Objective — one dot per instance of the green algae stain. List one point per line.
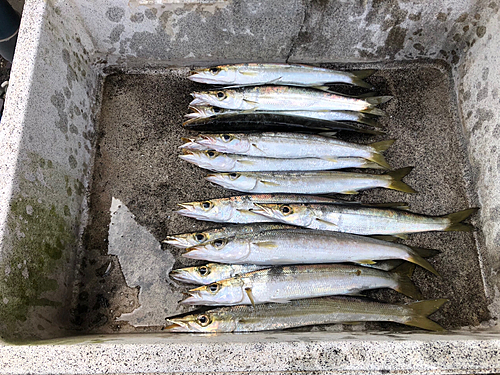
(43, 236)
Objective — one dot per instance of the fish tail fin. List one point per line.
(415, 258)
(424, 252)
(368, 120)
(360, 75)
(378, 148)
(420, 312)
(374, 111)
(376, 100)
(405, 286)
(396, 183)
(456, 218)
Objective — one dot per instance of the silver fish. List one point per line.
(301, 313)
(283, 247)
(204, 112)
(362, 220)
(186, 240)
(293, 145)
(278, 98)
(216, 161)
(283, 74)
(212, 272)
(323, 182)
(237, 210)
(282, 284)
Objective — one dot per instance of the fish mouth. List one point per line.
(175, 326)
(193, 299)
(195, 252)
(179, 275)
(177, 242)
(200, 99)
(188, 156)
(195, 215)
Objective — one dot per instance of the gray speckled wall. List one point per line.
(66, 47)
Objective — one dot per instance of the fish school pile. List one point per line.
(291, 257)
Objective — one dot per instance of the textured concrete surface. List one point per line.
(478, 94)
(283, 353)
(46, 136)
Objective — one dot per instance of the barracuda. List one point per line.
(306, 313)
(278, 98)
(283, 247)
(323, 182)
(362, 220)
(283, 74)
(216, 161)
(282, 284)
(293, 145)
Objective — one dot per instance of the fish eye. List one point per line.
(217, 109)
(221, 95)
(286, 210)
(203, 270)
(226, 137)
(213, 288)
(214, 70)
(203, 320)
(206, 205)
(211, 154)
(233, 176)
(219, 243)
(199, 237)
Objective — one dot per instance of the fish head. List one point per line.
(186, 240)
(216, 75)
(220, 250)
(219, 210)
(207, 322)
(224, 292)
(230, 143)
(201, 275)
(224, 98)
(294, 214)
(209, 159)
(234, 181)
(191, 144)
(205, 112)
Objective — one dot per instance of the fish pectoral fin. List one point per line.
(250, 101)
(249, 72)
(367, 261)
(248, 291)
(266, 244)
(327, 222)
(254, 145)
(268, 183)
(247, 162)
